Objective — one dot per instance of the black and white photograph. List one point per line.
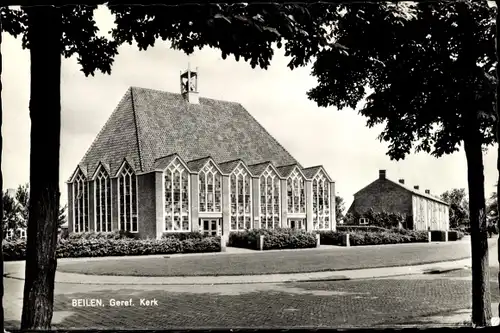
(250, 165)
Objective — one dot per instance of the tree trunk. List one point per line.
(481, 303)
(497, 39)
(44, 33)
(1, 196)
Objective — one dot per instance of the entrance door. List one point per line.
(296, 223)
(211, 226)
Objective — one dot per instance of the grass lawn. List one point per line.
(299, 261)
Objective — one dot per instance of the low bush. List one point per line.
(350, 228)
(101, 247)
(274, 239)
(184, 235)
(117, 234)
(454, 235)
(373, 238)
(438, 235)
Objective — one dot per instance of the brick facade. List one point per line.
(382, 195)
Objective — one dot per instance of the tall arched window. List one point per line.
(240, 184)
(210, 189)
(177, 197)
(81, 203)
(127, 197)
(270, 205)
(296, 197)
(102, 201)
(321, 202)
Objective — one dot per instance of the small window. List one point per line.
(363, 220)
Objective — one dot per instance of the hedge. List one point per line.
(185, 235)
(274, 239)
(373, 238)
(102, 247)
(454, 235)
(350, 228)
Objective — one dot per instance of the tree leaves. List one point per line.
(414, 63)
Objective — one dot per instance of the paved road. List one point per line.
(357, 303)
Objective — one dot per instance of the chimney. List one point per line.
(402, 181)
(427, 191)
(189, 85)
(416, 187)
(381, 174)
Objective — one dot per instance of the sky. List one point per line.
(276, 97)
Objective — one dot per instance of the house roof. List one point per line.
(412, 190)
(416, 192)
(150, 124)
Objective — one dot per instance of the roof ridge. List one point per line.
(267, 132)
(316, 166)
(139, 146)
(96, 139)
(198, 159)
(425, 195)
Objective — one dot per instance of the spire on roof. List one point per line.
(189, 85)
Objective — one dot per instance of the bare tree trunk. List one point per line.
(481, 302)
(497, 44)
(44, 34)
(1, 187)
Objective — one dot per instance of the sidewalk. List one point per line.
(358, 274)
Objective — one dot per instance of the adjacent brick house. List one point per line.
(167, 162)
(423, 210)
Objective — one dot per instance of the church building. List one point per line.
(177, 162)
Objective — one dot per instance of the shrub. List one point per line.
(102, 246)
(331, 237)
(280, 238)
(117, 234)
(184, 235)
(373, 238)
(454, 235)
(355, 228)
(438, 235)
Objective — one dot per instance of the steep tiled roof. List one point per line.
(286, 170)
(425, 195)
(228, 167)
(310, 172)
(196, 165)
(258, 169)
(148, 124)
(162, 162)
(416, 192)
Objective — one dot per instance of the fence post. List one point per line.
(223, 244)
(318, 242)
(260, 243)
(345, 240)
(429, 236)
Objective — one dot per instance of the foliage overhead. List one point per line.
(247, 31)
(426, 71)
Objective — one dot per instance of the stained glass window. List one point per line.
(102, 201)
(240, 185)
(296, 196)
(269, 199)
(210, 189)
(127, 196)
(177, 197)
(81, 203)
(321, 202)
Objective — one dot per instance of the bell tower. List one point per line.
(189, 85)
